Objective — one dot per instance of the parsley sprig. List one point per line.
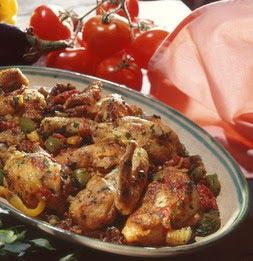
(20, 243)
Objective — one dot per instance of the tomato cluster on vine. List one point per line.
(112, 44)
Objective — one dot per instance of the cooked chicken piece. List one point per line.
(156, 138)
(167, 204)
(34, 103)
(34, 176)
(12, 79)
(131, 179)
(84, 103)
(113, 107)
(93, 207)
(67, 126)
(121, 189)
(25, 102)
(102, 156)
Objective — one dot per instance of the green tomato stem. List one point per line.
(80, 22)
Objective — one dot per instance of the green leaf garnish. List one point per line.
(42, 242)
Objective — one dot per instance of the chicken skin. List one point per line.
(93, 207)
(68, 126)
(131, 179)
(113, 107)
(160, 142)
(168, 203)
(12, 79)
(16, 97)
(24, 102)
(118, 192)
(34, 176)
(102, 156)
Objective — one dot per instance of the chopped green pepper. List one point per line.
(27, 125)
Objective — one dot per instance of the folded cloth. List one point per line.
(204, 69)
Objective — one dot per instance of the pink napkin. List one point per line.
(205, 70)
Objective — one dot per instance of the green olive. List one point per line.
(82, 176)
(1, 177)
(27, 125)
(53, 144)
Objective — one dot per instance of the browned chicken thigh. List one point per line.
(160, 142)
(168, 203)
(25, 102)
(119, 192)
(113, 107)
(93, 207)
(102, 156)
(68, 126)
(12, 79)
(36, 175)
(131, 179)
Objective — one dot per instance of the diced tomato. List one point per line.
(207, 198)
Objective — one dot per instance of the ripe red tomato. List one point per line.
(73, 59)
(121, 71)
(106, 38)
(145, 45)
(47, 24)
(131, 5)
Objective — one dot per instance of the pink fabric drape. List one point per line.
(205, 70)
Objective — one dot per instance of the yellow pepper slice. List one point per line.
(8, 11)
(74, 140)
(16, 202)
(33, 136)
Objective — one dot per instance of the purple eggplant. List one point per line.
(18, 47)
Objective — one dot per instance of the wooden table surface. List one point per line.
(236, 246)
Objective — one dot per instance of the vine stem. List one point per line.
(80, 19)
(93, 9)
(121, 6)
(125, 10)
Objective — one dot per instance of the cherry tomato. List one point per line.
(120, 70)
(106, 38)
(76, 59)
(145, 45)
(47, 24)
(131, 5)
